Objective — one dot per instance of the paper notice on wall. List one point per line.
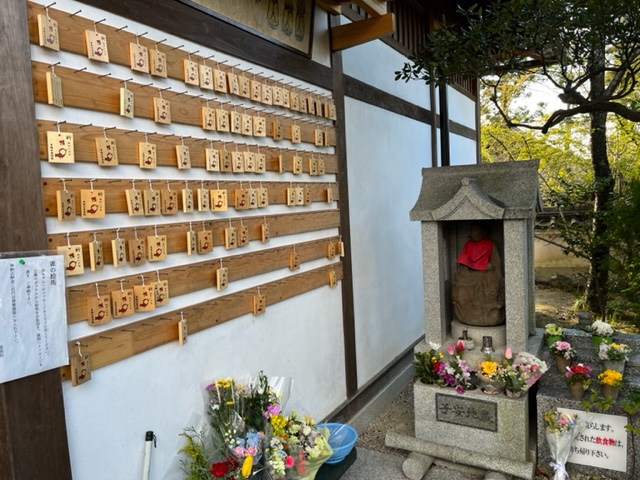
(33, 316)
(603, 443)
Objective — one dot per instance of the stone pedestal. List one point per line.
(495, 425)
(499, 200)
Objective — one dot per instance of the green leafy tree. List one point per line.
(588, 50)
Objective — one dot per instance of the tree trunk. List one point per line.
(597, 284)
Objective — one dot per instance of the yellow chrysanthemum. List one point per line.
(488, 367)
(610, 377)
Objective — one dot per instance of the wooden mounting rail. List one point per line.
(199, 275)
(71, 38)
(127, 144)
(115, 197)
(121, 342)
(91, 91)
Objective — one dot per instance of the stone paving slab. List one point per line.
(372, 465)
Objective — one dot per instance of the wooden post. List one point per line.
(33, 440)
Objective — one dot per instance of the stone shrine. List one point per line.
(477, 237)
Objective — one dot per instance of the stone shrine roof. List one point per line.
(488, 191)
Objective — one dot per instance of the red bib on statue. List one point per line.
(476, 255)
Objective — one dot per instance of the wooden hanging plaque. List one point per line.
(60, 147)
(92, 203)
(107, 151)
(66, 205)
(80, 368)
(137, 253)
(147, 155)
(122, 303)
(96, 255)
(73, 259)
(99, 309)
(48, 36)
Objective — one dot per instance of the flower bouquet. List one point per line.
(601, 329)
(561, 429)
(553, 332)
(563, 353)
(492, 376)
(456, 372)
(237, 426)
(562, 349)
(614, 355)
(521, 372)
(615, 352)
(579, 378)
(247, 435)
(601, 332)
(612, 382)
(427, 364)
(308, 447)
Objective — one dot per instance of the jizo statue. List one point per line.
(478, 287)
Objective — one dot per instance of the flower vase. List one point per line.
(597, 340)
(492, 387)
(617, 366)
(562, 363)
(576, 390)
(609, 391)
(513, 393)
(551, 339)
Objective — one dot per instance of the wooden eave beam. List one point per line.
(363, 31)
(375, 8)
(331, 6)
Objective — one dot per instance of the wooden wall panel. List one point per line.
(33, 440)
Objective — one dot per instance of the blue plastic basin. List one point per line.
(342, 438)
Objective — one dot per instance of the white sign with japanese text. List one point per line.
(33, 316)
(603, 443)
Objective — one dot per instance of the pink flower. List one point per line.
(508, 353)
(460, 346)
(451, 349)
(288, 462)
(273, 409)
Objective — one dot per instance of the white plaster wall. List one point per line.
(376, 63)
(463, 150)
(461, 108)
(159, 390)
(385, 155)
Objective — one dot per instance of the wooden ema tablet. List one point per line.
(147, 155)
(98, 309)
(73, 259)
(106, 151)
(92, 203)
(96, 255)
